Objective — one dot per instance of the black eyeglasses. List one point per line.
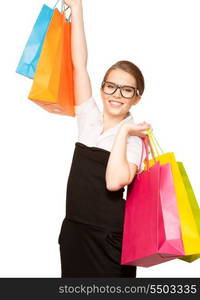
(125, 90)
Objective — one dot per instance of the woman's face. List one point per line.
(123, 104)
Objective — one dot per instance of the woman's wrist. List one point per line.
(125, 128)
(77, 10)
(123, 132)
(76, 6)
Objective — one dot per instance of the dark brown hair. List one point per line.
(130, 68)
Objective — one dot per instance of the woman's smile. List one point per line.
(115, 103)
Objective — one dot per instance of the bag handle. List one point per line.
(57, 4)
(145, 144)
(151, 149)
(63, 9)
(140, 165)
(148, 143)
(154, 142)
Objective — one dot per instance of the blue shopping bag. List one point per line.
(30, 56)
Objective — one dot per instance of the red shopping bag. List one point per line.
(152, 232)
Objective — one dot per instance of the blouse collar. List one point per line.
(129, 118)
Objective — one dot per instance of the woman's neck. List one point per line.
(110, 121)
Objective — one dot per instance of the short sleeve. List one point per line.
(87, 112)
(134, 150)
(85, 107)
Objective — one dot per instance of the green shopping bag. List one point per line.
(193, 204)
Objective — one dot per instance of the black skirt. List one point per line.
(90, 238)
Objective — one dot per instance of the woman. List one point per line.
(105, 160)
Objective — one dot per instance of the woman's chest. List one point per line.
(95, 138)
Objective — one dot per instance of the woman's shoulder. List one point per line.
(90, 103)
(84, 105)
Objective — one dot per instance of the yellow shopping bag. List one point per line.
(189, 225)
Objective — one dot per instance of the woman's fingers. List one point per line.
(144, 123)
(72, 2)
(69, 2)
(141, 129)
(144, 126)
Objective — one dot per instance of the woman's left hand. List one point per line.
(138, 129)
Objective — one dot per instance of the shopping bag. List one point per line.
(52, 86)
(31, 53)
(151, 232)
(187, 212)
(194, 206)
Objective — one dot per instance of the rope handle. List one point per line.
(146, 143)
(64, 9)
(57, 4)
(154, 142)
(140, 165)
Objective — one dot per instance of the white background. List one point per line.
(162, 38)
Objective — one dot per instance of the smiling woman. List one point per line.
(106, 157)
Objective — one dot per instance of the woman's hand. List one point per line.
(137, 129)
(73, 3)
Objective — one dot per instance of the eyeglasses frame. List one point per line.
(118, 86)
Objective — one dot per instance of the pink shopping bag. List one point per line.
(152, 232)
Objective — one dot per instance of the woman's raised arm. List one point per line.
(82, 84)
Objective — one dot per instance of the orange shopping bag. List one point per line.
(52, 86)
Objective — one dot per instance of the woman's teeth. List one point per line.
(115, 103)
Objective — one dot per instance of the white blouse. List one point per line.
(90, 126)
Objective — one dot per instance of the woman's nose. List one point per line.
(117, 92)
